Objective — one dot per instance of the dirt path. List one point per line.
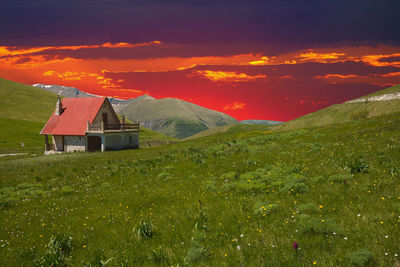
(15, 154)
(384, 97)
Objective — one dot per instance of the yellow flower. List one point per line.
(381, 222)
(84, 246)
(314, 262)
(322, 221)
(320, 206)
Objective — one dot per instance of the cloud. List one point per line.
(229, 76)
(382, 60)
(235, 106)
(340, 76)
(320, 57)
(101, 79)
(381, 79)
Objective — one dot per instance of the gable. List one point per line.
(76, 113)
(107, 108)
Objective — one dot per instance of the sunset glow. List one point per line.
(248, 70)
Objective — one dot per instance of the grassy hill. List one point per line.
(345, 112)
(232, 128)
(173, 117)
(242, 197)
(24, 110)
(24, 102)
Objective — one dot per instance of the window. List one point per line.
(130, 139)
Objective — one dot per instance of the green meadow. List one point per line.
(251, 196)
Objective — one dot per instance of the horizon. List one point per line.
(269, 60)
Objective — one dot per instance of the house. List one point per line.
(88, 124)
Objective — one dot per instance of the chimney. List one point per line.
(59, 108)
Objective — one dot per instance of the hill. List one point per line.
(364, 107)
(239, 198)
(24, 102)
(173, 117)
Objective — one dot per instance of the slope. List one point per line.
(24, 102)
(173, 117)
(348, 111)
(333, 190)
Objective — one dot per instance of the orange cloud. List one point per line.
(391, 74)
(285, 77)
(386, 79)
(320, 57)
(235, 106)
(106, 83)
(228, 76)
(262, 61)
(328, 76)
(371, 55)
(375, 60)
(12, 51)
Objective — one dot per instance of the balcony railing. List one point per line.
(103, 127)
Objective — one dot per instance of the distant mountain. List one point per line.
(379, 103)
(63, 90)
(170, 116)
(260, 122)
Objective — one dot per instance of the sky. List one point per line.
(253, 59)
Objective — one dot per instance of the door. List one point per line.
(94, 143)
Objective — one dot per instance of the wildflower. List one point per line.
(381, 222)
(295, 246)
(396, 255)
(358, 215)
(345, 238)
(242, 235)
(322, 221)
(238, 247)
(383, 198)
(84, 246)
(320, 206)
(314, 262)
(226, 255)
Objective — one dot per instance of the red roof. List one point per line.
(73, 120)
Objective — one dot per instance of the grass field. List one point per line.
(242, 197)
(24, 102)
